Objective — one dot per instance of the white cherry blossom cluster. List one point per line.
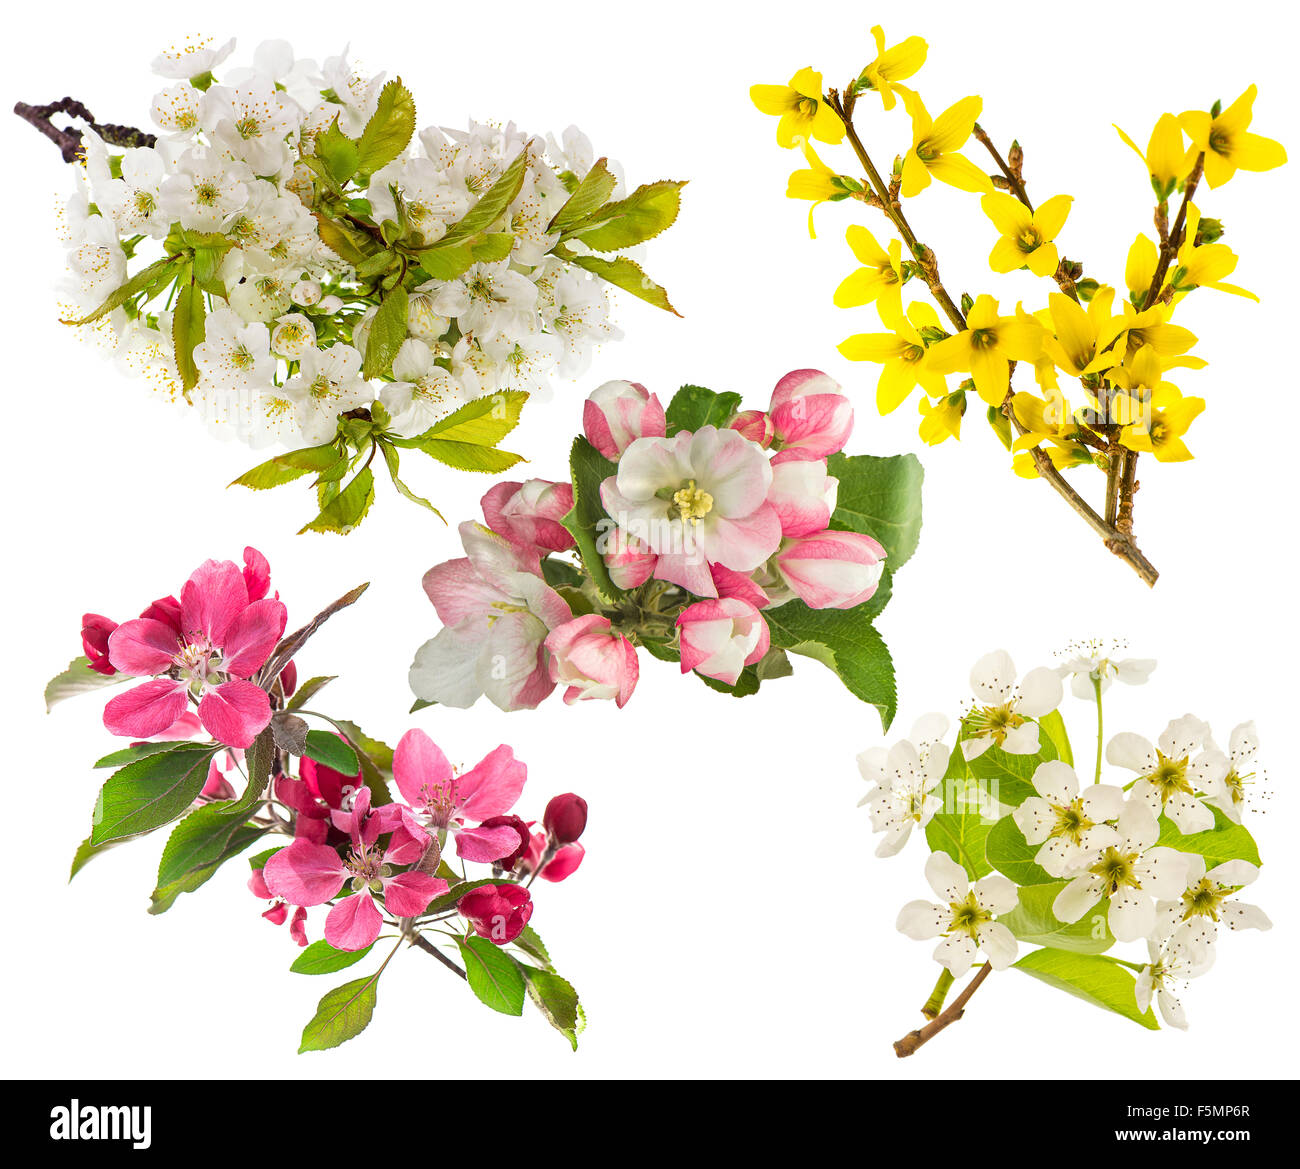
(285, 332)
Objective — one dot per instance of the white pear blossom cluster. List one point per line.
(285, 331)
(1125, 852)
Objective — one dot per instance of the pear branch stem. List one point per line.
(914, 1039)
(68, 139)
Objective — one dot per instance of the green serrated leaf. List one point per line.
(392, 460)
(530, 943)
(881, 498)
(694, 406)
(963, 836)
(469, 456)
(482, 422)
(342, 1014)
(387, 332)
(588, 521)
(490, 207)
(149, 793)
(1008, 778)
(159, 270)
(140, 751)
(627, 275)
(647, 211)
(557, 1000)
(493, 976)
(1053, 726)
(308, 690)
(1091, 977)
(389, 130)
(1226, 841)
(327, 749)
(322, 958)
(348, 508)
(79, 678)
(189, 317)
(287, 467)
(588, 197)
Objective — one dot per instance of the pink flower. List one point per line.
(831, 570)
(629, 562)
(95, 632)
(737, 584)
(810, 416)
(755, 425)
(529, 514)
(306, 873)
(592, 660)
(497, 912)
(696, 499)
(315, 796)
(278, 912)
(563, 862)
(617, 413)
(443, 800)
(521, 829)
(565, 818)
(496, 612)
(720, 638)
(804, 496)
(207, 651)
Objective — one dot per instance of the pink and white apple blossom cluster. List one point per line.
(1025, 849)
(700, 533)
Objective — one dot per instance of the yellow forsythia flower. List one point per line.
(1026, 236)
(1227, 144)
(892, 65)
(901, 353)
(802, 112)
(1136, 328)
(987, 346)
(941, 420)
(1204, 266)
(1140, 268)
(1072, 343)
(935, 143)
(1168, 161)
(1153, 413)
(818, 183)
(880, 278)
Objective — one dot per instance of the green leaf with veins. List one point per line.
(1092, 977)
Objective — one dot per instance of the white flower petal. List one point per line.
(1131, 752)
(956, 952)
(996, 894)
(1055, 781)
(923, 919)
(1132, 915)
(998, 943)
(1040, 692)
(947, 878)
(993, 678)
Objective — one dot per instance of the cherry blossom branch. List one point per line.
(914, 1039)
(68, 139)
(1116, 537)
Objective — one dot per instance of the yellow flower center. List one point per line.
(1116, 870)
(968, 916)
(1203, 900)
(692, 503)
(983, 338)
(1029, 240)
(1071, 823)
(993, 722)
(1170, 775)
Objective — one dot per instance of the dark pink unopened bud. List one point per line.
(510, 859)
(755, 425)
(95, 631)
(497, 912)
(565, 818)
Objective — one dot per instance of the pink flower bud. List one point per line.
(755, 425)
(811, 418)
(629, 561)
(497, 912)
(94, 641)
(529, 514)
(803, 495)
(720, 638)
(831, 570)
(564, 860)
(618, 413)
(565, 818)
(592, 660)
(509, 861)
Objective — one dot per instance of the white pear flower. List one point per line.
(193, 59)
(133, 201)
(576, 308)
(328, 384)
(1170, 963)
(205, 192)
(176, 110)
(1087, 671)
(424, 392)
(1192, 919)
(488, 299)
(905, 776)
(1133, 873)
(252, 122)
(1169, 777)
(1002, 713)
(1071, 828)
(1228, 793)
(965, 920)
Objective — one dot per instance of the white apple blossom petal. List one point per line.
(1103, 801)
(1234, 872)
(1171, 1010)
(1035, 818)
(1183, 736)
(1080, 895)
(1162, 871)
(1238, 915)
(1188, 813)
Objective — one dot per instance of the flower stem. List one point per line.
(69, 140)
(1096, 687)
(934, 1004)
(429, 948)
(914, 1039)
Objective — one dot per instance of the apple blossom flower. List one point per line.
(529, 514)
(218, 641)
(617, 413)
(1169, 964)
(1133, 873)
(966, 918)
(696, 499)
(305, 873)
(1071, 828)
(1169, 777)
(804, 496)
(1003, 714)
(719, 638)
(592, 660)
(811, 418)
(497, 912)
(1086, 672)
(1191, 919)
(1228, 792)
(95, 632)
(906, 776)
(496, 614)
(489, 300)
(629, 562)
(443, 800)
(278, 912)
(252, 122)
(565, 818)
(755, 425)
(549, 861)
(829, 570)
(235, 356)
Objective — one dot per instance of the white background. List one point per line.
(730, 919)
